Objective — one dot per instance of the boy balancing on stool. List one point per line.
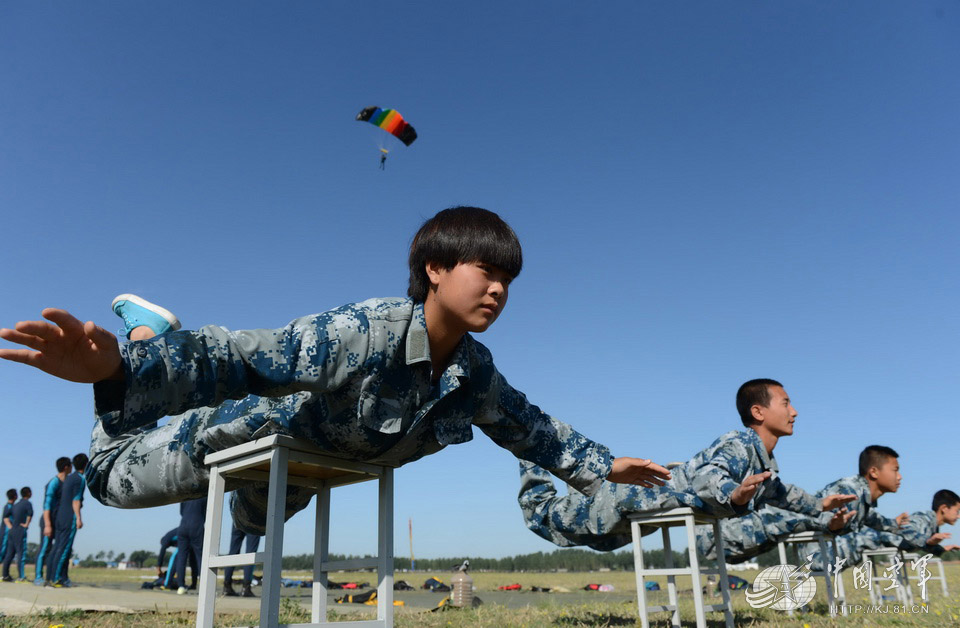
(922, 532)
(386, 381)
(736, 474)
(755, 533)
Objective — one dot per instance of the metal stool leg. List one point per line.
(638, 569)
(321, 547)
(273, 555)
(211, 547)
(782, 551)
(826, 575)
(385, 549)
(671, 580)
(690, 524)
(722, 568)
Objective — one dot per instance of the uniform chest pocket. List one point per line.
(382, 407)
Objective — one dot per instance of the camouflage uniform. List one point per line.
(850, 543)
(754, 534)
(911, 537)
(705, 483)
(356, 381)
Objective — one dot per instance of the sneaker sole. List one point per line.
(153, 307)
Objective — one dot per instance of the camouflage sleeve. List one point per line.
(530, 434)
(790, 497)
(878, 522)
(179, 371)
(719, 476)
(572, 519)
(916, 532)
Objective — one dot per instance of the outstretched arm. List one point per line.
(836, 501)
(640, 471)
(68, 349)
(745, 492)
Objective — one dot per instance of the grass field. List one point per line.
(551, 611)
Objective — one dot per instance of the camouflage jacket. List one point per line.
(355, 380)
(705, 483)
(866, 507)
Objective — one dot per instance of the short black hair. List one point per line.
(461, 235)
(25, 492)
(945, 497)
(62, 463)
(756, 392)
(11, 494)
(875, 456)
(80, 462)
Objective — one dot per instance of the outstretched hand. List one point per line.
(840, 519)
(835, 501)
(745, 492)
(902, 519)
(936, 538)
(639, 471)
(70, 350)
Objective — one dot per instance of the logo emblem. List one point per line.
(782, 588)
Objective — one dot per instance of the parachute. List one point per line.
(390, 121)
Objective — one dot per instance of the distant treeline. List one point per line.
(568, 559)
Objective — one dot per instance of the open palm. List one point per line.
(68, 349)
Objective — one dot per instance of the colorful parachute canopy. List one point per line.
(390, 121)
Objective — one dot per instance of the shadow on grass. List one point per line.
(596, 619)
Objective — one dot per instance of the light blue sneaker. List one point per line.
(136, 311)
(38, 582)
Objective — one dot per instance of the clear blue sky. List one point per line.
(705, 194)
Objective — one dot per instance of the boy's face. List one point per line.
(779, 416)
(950, 514)
(473, 293)
(887, 476)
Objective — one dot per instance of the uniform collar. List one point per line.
(769, 462)
(418, 346)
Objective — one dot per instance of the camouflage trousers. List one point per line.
(600, 521)
(755, 533)
(154, 466)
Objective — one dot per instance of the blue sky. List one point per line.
(705, 194)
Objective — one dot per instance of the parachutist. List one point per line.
(383, 161)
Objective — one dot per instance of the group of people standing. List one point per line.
(59, 521)
(187, 543)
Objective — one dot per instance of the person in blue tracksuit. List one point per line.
(51, 498)
(189, 538)
(167, 541)
(7, 511)
(18, 523)
(68, 521)
(237, 537)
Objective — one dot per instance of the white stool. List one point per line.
(904, 594)
(666, 519)
(933, 561)
(821, 539)
(282, 460)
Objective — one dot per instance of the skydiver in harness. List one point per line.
(383, 158)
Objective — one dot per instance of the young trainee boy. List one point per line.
(68, 520)
(386, 381)
(19, 523)
(7, 511)
(51, 500)
(879, 473)
(736, 474)
(922, 532)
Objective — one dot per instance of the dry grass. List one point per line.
(556, 614)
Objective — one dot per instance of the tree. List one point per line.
(139, 557)
(121, 556)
